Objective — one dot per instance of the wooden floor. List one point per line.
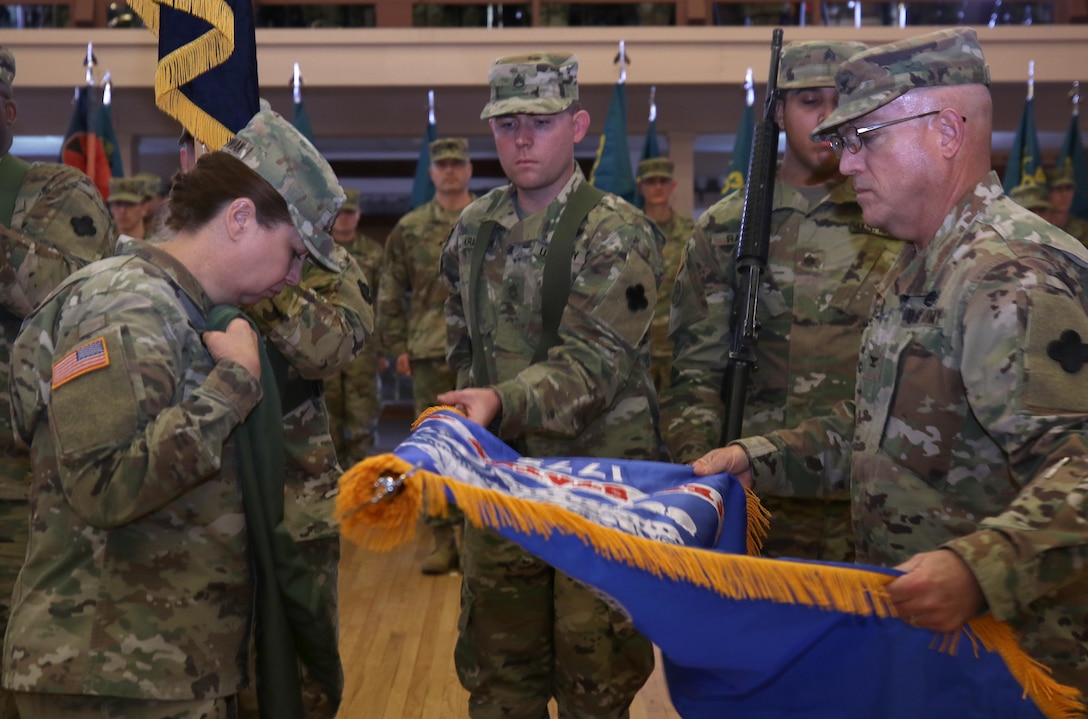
(397, 631)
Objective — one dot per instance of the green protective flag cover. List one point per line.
(737, 174)
(612, 169)
(1072, 155)
(1025, 159)
(422, 187)
(301, 121)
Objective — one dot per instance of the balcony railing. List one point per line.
(538, 13)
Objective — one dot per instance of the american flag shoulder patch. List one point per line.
(83, 359)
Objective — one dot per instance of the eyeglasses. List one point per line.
(852, 139)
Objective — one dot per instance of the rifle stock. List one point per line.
(751, 254)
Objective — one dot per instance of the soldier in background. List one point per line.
(1061, 190)
(352, 394)
(411, 305)
(657, 185)
(1032, 196)
(527, 631)
(824, 264)
(52, 222)
(966, 442)
(138, 591)
(127, 204)
(155, 191)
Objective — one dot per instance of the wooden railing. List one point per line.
(398, 13)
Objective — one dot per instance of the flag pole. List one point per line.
(296, 85)
(430, 108)
(88, 145)
(749, 89)
(1074, 98)
(653, 104)
(1031, 80)
(623, 62)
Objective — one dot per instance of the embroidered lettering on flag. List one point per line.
(80, 361)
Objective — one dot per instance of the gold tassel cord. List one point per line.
(188, 62)
(385, 524)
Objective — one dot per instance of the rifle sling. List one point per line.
(555, 289)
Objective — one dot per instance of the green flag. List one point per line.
(1025, 160)
(422, 186)
(612, 169)
(737, 174)
(650, 148)
(1072, 155)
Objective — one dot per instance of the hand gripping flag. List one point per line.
(207, 73)
(740, 635)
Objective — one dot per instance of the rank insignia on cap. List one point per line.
(83, 359)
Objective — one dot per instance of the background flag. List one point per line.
(82, 147)
(650, 147)
(612, 169)
(301, 120)
(1072, 155)
(737, 174)
(1025, 159)
(103, 127)
(207, 73)
(742, 636)
(422, 186)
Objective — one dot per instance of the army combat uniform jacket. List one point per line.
(318, 326)
(814, 299)
(136, 581)
(968, 430)
(59, 223)
(677, 232)
(592, 396)
(410, 266)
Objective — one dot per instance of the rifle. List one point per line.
(752, 248)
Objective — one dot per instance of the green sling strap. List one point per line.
(12, 172)
(555, 289)
(291, 609)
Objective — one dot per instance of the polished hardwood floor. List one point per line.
(397, 632)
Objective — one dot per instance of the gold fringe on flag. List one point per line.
(184, 64)
(385, 523)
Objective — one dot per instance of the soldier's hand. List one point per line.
(404, 364)
(732, 459)
(383, 364)
(480, 404)
(238, 344)
(938, 591)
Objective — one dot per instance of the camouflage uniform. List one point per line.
(59, 223)
(677, 231)
(814, 299)
(318, 327)
(139, 574)
(137, 584)
(528, 632)
(411, 302)
(968, 431)
(352, 395)
(411, 298)
(1062, 177)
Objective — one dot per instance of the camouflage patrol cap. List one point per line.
(127, 189)
(873, 78)
(275, 150)
(655, 167)
(1060, 176)
(449, 148)
(813, 63)
(1031, 195)
(351, 201)
(153, 185)
(7, 66)
(540, 83)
